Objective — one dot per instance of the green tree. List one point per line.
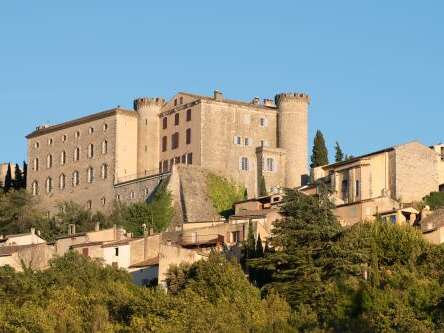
(18, 181)
(339, 155)
(434, 200)
(262, 186)
(320, 153)
(8, 179)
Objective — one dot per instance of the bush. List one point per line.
(224, 193)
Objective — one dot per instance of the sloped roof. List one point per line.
(82, 120)
(145, 263)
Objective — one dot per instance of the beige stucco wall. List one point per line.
(25, 239)
(435, 237)
(173, 255)
(416, 172)
(35, 257)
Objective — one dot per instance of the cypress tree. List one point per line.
(8, 179)
(320, 152)
(25, 174)
(259, 247)
(339, 155)
(262, 187)
(17, 183)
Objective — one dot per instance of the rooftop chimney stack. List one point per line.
(218, 96)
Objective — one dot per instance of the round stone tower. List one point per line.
(148, 148)
(293, 134)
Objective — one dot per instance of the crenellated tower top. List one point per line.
(294, 97)
(148, 101)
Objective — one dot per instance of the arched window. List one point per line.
(90, 175)
(49, 161)
(105, 127)
(77, 154)
(62, 181)
(36, 164)
(75, 178)
(63, 158)
(104, 171)
(48, 185)
(35, 188)
(91, 151)
(104, 147)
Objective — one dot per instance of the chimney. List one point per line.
(32, 231)
(97, 226)
(255, 101)
(218, 96)
(268, 102)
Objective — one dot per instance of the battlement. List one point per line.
(291, 96)
(145, 101)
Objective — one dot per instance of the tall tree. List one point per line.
(339, 155)
(320, 152)
(262, 187)
(8, 179)
(25, 174)
(17, 183)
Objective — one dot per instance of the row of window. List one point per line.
(269, 165)
(176, 119)
(76, 135)
(238, 140)
(345, 189)
(165, 166)
(76, 156)
(175, 140)
(75, 179)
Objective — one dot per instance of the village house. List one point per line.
(379, 182)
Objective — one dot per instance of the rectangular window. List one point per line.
(175, 102)
(181, 100)
(358, 188)
(165, 166)
(116, 251)
(189, 115)
(190, 158)
(177, 160)
(235, 236)
(442, 153)
(244, 163)
(188, 136)
(247, 141)
(164, 143)
(263, 122)
(175, 141)
(164, 122)
(270, 164)
(344, 189)
(237, 140)
(184, 159)
(176, 119)
(171, 163)
(160, 166)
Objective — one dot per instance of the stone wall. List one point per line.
(416, 172)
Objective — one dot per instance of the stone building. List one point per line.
(381, 181)
(122, 154)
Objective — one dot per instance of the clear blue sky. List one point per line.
(374, 69)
